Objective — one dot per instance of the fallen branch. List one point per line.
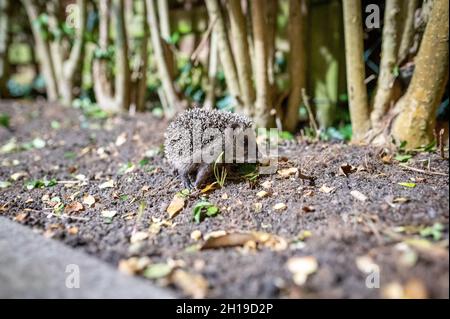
(203, 42)
(422, 171)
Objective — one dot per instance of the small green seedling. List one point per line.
(204, 209)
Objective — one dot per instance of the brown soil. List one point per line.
(342, 227)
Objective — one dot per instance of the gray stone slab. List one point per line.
(32, 266)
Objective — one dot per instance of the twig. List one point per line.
(202, 43)
(312, 120)
(441, 143)
(422, 171)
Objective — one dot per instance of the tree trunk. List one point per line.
(43, 51)
(296, 62)
(407, 37)
(164, 21)
(122, 76)
(389, 51)
(225, 54)
(168, 86)
(263, 99)
(141, 86)
(4, 45)
(416, 120)
(210, 99)
(73, 63)
(102, 85)
(354, 53)
(271, 19)
(241, 54)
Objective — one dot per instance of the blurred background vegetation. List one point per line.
(163, 56)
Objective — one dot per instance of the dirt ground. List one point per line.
(323, 242)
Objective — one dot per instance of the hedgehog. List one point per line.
(198, 139)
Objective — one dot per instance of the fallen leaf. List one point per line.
(301, 268)
(18, 175)
(224, 196)
(262, 194)
(279, 207)
(257, 207)
(227, 240)
(108, 184)
(346, 169)
(326, 189)
(286, 172)
(138, 236)
(73, 207)
(209, 187)
(213, 234)
(108, 213)
(5, 184)
(72, 230)
(89, 200)
(133, 265)
(358, 195)
(121, 139)
(176, 205)
(156, 271)
(20, 217)
(193, 285)
(406, 184)
(308, 209)
(196, 235)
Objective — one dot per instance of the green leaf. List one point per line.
(402, 145)
(204, 209)
(38, 143)
(403, 157)
(5, 184)
(156, 271)
(406, 184)
(434, 231)
(4, 120)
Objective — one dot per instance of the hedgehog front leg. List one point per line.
(203, 172)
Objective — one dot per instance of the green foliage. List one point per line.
(4, 120)
(204, 209)
(220, 172)
(434, 231)
(40, 183)
(89, 108)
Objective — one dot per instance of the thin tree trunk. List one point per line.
(271, 19)
(43, 51)
(4, 45)
(416, 120)
(73, 63)
(164, 74)
(122, 77)
(389, 51)
(296, 62)
(354, 51)
(102, 85)
(212, 72)
(225, 53)
(408, 31)
(241, 54)
(164, 21)
(263, 99)
(141, 87)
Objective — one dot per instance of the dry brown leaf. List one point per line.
(121, 139)
(227, 240)
(73, 207)
(262, 194)
(196, 235)
(89, 200)
(176, 205)
(108, 184)
(20, 217)
(193, 285)
(209, 187)
(326, 189)
(72, 230)
(346, 169)
(279, 206)
(308, 209)
(18, 175)
(133, 265)
(415, 289)
(286, 172)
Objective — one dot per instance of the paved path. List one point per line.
(32, 266)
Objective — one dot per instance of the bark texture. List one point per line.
(417, 108)
(354, 50)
